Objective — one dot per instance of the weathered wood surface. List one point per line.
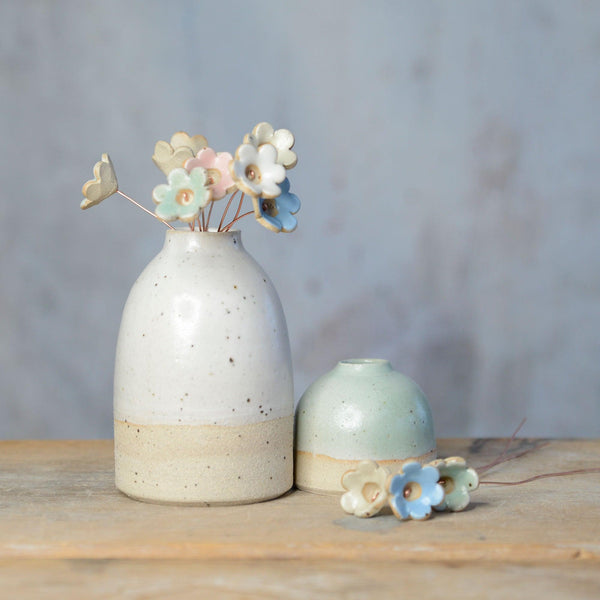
(63, 525)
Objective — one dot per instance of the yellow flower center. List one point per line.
(184, 197)
(412, 490)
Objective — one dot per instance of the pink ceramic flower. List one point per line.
(219, 178)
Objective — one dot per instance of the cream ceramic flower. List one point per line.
(217, 165)
(282, 139)
(102, 186)
(182, 140)
(168, 156)
(256, 171)
(458, 481)
(366, 487)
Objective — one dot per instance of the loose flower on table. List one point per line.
(414, 491)
(366, 491)
(458, 482)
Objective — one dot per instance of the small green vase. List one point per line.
(362, 409)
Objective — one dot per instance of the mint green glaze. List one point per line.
(363, 409)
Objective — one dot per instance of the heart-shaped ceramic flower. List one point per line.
(102, 186)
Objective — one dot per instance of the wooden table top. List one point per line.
(63, 525)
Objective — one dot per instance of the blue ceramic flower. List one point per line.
(184, 196)
(458, 481)
(277, 214)
(414, 490)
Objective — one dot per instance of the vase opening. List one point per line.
(365, 366)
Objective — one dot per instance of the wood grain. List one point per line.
(63, 522)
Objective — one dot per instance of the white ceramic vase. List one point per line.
(203, 396)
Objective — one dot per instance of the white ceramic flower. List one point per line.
(366, 487)
(256, 171)
(282, 139)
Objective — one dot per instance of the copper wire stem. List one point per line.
(226, 209)
(212, 202)
(144, 209)
(543, 476)
(227, 227)
(501, 457)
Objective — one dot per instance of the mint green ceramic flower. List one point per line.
(458, 481)
(184, 196)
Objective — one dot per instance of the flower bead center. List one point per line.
(253, 173)
(213, 176)
(412, 491)
(370, 491)
(184, 197)
(269, 207)
(447, 483)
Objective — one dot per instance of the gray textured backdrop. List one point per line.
(449, 171)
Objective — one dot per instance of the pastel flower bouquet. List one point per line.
(198, 177)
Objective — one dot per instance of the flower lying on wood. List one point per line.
(366, 487)
(458, 481)
(414, 491)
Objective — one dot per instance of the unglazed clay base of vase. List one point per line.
(322, 474)
(203, 394)
(204, 464)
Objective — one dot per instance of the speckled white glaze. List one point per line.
(360, 410)
(203, 348)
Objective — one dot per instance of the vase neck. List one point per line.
(181, 240)
(371, 367)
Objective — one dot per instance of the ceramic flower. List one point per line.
(414, 490)
(168, 156)
(102, 186)
(276, 214)
(217, 164)
(184, 195)
(282, 139)
(182, 140)
(256, 171)
(366, 493)
(458, 481)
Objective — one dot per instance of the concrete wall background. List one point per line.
(449, 171)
